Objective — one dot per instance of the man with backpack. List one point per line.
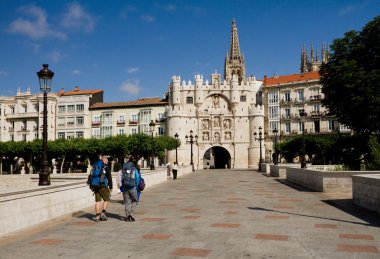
(100, 181)
(129, 181)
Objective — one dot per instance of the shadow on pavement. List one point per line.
(91, 216)
(373, 222)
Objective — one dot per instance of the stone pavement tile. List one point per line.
(156, 236)
(272, 237)
(276, 217)
(357, 248)
(356, 236)
(47, 241)
(325, 226)
(225, 225)
(190, 217)
(194, 252)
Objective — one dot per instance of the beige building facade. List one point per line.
(222, 113)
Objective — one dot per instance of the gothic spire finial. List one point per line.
(234, 63)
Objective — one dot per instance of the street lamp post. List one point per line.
(260, 139)
(303, 115)
(275, 160)
(151, 126)
(45, 76)
(176, 146)
(191, 141)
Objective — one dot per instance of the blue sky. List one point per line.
(131, 49)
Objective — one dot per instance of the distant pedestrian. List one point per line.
(175, 170)
(129, 182)
(138, 189)
(102, 187)
(168, 169)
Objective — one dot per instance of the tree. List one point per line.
(351, 79)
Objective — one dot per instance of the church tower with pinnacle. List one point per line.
(234, 62)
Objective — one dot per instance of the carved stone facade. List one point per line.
(223, 113)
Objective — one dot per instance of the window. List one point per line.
(107, 119)
(160, 116)
(12, 109)
(61, 121)
(160, 131)
(287, 127)
(300, 95)
(189, 100)
(106, 131)
(301, 126)
(287, 96)
(134, 131)
(80, 134)
(134, 117)
(273, 97)
(121, 118)
(145, 116)
(61, 109)
(70, 121)
(96, 119)
(70, 108)
(121, 132)
(96, 133)
(70, 135)
(61, 135)
(332, 125)
(80, 121)
(273, 112)
(80, 107)
(273, 125)
(287, 113)
(12, 137)
(316, 108)
(243, 98)
(23, 137)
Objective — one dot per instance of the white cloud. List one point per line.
(348, 9)
(133, 70)
(169, 8)
(3, 73)
(77, 18)
(36, 26)
(131, 86)
(76, 72)
(148, 18)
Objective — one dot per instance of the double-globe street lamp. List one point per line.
(275, 159)
(191, 139)
(260, 139)
(176, 146)
(151, 126)
(45, 76)
(303, 115)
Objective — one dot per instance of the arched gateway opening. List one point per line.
(217, 157)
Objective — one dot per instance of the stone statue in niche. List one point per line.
(205, 135)
(226, 124)
(205, 124)
(215, 100)
(216, 122)
(216, 83)
(227, 135)
(216, 137)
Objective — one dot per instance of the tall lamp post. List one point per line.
(275, 160)
(151, 126)
(303, 115)
(45, 76)
(260, 139)
(191, 141)
(176, 146)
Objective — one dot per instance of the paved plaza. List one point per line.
(213, 214)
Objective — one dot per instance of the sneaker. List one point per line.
(128, 218)
(97, 217)
(131, 218)
(103, 216)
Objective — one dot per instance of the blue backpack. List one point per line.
(97, 177)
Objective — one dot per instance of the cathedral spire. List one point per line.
(234, 62)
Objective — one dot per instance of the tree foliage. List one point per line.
(351, 78)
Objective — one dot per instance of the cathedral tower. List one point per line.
(234, 62)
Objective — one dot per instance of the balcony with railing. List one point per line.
(315, 98)
(298, 101)
(132, 122)
(96, 123)
(315, 114)
(160, 120)
(285, 117)
(120, 122)
(285, 102)
(20, 115)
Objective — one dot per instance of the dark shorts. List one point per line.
(102, 194)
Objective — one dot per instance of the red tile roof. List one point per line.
(287, 79)
(76, 91)
(149, 101)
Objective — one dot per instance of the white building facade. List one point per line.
(223, 113)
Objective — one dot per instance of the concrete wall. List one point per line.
(366, 191)
(277, 171)
(323, 181)
(23, 203)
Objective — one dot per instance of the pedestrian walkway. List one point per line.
(213, 214)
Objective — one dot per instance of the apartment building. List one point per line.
(21, 116)
(118, 118)
(73, 114)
